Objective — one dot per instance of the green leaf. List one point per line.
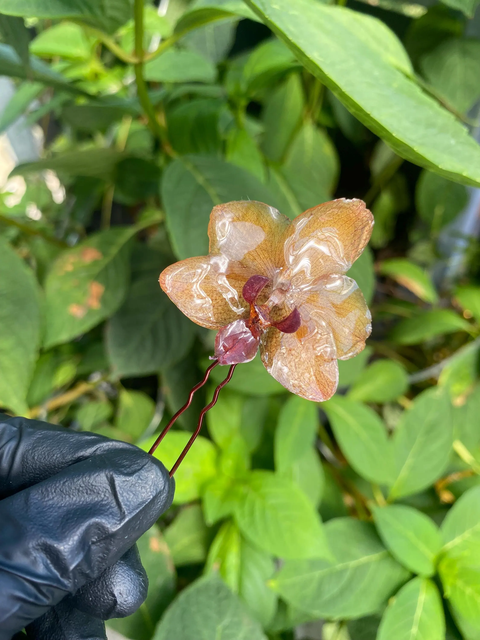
(311, 166)
(411, 276)
(52, 371)
(468, 297)
(333, 44)
(93, 163)
(461, 528)
(180, 65)
(422, 443)
(281, 117)
(332, 589)
(92, 414)
(67, 40)
(220, 497)
(411, 537)
(198, 468)
(86, 284)
(452, 70)
(428, 325)
(296, 431)
(461, 373)
(307, 472)
(205, 11)
(188, 537)
(193, 126)
(363, 438)
(224, 555)
(261, 514)
(268, 61)
(19, 103)
(156, 559)
(461, 585)
(382, 381)
(351, 370)
(135, 412)
(465, 420)
(148, 333)
(20, 323)
(191, 186)
(363, 274)
(15, 33)
(208, 605)
(467, 6)
(416, 612)
(212, 41)
(242, 151)
(103, 14)
(251, 378)
(177, 381)
(439, 201)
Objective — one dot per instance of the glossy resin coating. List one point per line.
(280, 285)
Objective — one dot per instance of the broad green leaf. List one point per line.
(234, 461)
(422, 443)
(460, 374)
(428, 325)
(188, 537)
(99, 115)
(363, 438)
(467, 6)
(20, 323)
(461, 529)
(91, 163)
(268, 61)
(251, 378)
(198, 468)
(180, 65)
(208, 606)
(135, 412)
(243, 151)
(52, 371)
(468, 297)
(212, 41)
(382, 381)
(148, 333)
(452, 70)
(193, 126)
(311, 166)
(224, 555)
(19, 103)
(338, 589)
(156, 559)
(203, 12)
(103, 14)
(334, 44)
(219, 498)
(91, 414)
(12, 65)
(67, 40)
(281, 117)
(277, 517)
(461, 585)
(191, 186)
(465, 420)
(364, 628)
(277, 183)
(410, 276)
(307, 472)
(439, 200)
(363, 274)
(350, 370)
(86, 284)
(411, 537)
(224, 420)
(296, 431)
(416, 613)
(15, 33)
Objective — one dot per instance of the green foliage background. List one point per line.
(363, 512)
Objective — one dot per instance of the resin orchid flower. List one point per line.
(278, 285)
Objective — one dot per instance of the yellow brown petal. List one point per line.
(338, 300)
(207, 289)
(304, 362)
(326, 239)
(249, 232)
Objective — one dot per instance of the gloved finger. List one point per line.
(65, 531)
(117, 593)
(32, 451)
(65, 623)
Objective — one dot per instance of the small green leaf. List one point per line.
(148, 333)
(52, 371)
(242, 151)
(332, 589)
(15, 33)
(67, 40)
(428, 325)
(467, 6)
(468, 297)
(268, 62)
(224, 555)
(461, 528)
(438, 200)
(410, 276)
(296, 431)
(343, 48)
(220, 497)
(382, 381)
(198, 468)
(411, 536)
(193, 126)
(135, 412)
(362, 437)
(422, 443)
(188, 537)
(156, 559)
(92, 163)
(261, 516)
(20, 322)
(180, 65)
(416, 613)
(208, 605)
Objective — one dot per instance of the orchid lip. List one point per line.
(253, 287)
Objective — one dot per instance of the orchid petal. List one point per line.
(249, 232)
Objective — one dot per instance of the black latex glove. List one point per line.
(72, 506)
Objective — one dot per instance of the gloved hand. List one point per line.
(72, 506)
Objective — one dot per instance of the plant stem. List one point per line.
(382, 179)
(107, 204)
(108, 42)
(65, 398)
(25, 228)
(463, 453)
